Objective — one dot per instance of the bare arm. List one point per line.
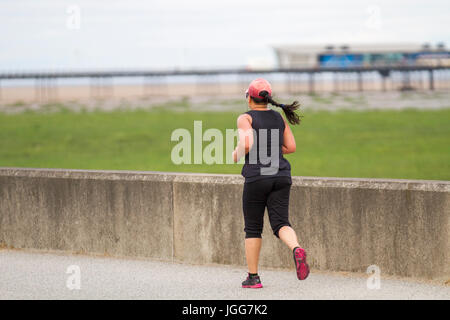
(288, 140)
(245, 142)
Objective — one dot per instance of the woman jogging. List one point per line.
(264, 136)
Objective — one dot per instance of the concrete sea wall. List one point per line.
(402, 226)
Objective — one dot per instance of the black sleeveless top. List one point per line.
(259, 162)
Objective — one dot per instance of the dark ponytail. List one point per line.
(288, 109)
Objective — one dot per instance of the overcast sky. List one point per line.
(86, 34)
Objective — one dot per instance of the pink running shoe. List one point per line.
(252, 282)
(300, 263)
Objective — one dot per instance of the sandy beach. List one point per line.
(211, 94)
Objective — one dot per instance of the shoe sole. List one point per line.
(300, 264)
(256, 286)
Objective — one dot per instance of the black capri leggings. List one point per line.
(272, 193)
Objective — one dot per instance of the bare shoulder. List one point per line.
(245, 117)
(283, 118)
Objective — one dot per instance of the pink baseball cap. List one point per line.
(258, 85)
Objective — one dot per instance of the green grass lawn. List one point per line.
(408, 144)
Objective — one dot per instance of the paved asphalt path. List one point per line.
(35, 275)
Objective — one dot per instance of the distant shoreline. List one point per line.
(207, 98)
(60, 93)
